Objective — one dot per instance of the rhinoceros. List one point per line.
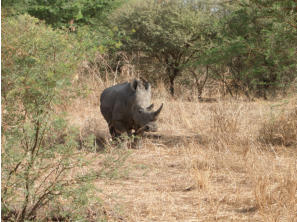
(127, 107)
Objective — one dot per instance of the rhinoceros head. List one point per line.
(142, 110)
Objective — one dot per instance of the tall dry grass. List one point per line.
(281, 129)
(208, 162)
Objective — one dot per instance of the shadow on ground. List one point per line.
(94, 137)
(171, 140)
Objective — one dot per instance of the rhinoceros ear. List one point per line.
(145, 83)
(147, 86)
(134, 84)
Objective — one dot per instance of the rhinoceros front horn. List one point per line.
(156, 113)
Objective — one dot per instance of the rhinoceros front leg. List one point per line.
(112, 131)
(117, 131)
(118, 128)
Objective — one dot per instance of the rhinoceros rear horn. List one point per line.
(156, 113)
(149, 108)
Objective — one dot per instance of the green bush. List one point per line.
(38, 148)
(58, 13)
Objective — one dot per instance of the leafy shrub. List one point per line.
(257, 46)
(58, 13)
(38, 149)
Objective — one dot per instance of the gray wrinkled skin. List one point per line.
(127, 107)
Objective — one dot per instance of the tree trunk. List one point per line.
(171, 87)
(200, 83)
(173, 72)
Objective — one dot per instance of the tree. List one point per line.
(67, 13)
(172, 33)
(257, 45)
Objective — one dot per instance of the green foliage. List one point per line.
(38, 148)
(174, 34)
(92, 41)
(13, 7)
(258, 46)
(254, 42)
(71, 12)
(37, 63)
(85, 19)
(60, 13)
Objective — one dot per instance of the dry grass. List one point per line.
(281, 129)
(206, 163)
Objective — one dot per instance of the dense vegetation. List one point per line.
(253, 42)
(244, 47)
(247, 46)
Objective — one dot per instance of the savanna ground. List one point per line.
(229, 160)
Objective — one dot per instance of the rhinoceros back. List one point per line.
(112, 97)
